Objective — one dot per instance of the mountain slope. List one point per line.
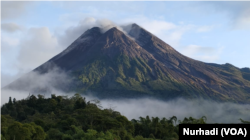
(114, 65)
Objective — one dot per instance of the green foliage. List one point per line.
(244, 122)
(54, 134)
(2, 138)
(155, 128)
(39, 133)
(192, 120)
(3, 119)
(26, 131)
(63, 118)
(139, 137)
(132, 76)
(67, 137)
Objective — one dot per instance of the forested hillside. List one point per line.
(74, 118)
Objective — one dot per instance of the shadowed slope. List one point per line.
(115, 65)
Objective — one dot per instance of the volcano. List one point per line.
(136, 63)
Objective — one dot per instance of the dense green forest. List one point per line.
(74, 118)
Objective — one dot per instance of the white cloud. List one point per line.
(5, 94)
(38, 46)
(73, 32)
(192, 49)
(7, 79)
(207, 54)
(10, 41)
(13, 9)
(9, 51)
(94, 8)
(167, 31)
(158, 26)
(215, 112)
(33, 81)
(236, 11)
(55, 81)
(10, 27)
(243, 21)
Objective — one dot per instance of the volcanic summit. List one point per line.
(136, 63)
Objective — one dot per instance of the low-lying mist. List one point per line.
(134, 108)
(215, 112)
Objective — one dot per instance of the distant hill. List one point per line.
(138, 64)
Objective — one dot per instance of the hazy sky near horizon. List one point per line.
(35, 31)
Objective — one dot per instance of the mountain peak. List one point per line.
(135, 25)
(113, 64)
(113, 31)
(114, 42)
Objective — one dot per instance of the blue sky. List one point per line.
(33, 32)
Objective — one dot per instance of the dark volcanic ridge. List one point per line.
(135, 64)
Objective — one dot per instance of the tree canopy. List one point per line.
(74, 118)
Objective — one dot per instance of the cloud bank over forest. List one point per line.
(134, 108)
(215, 112)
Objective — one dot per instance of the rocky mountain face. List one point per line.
(136, 64)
